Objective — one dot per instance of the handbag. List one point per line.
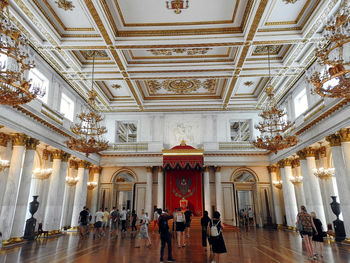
(300, 226)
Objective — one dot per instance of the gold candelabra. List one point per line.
(71, 181)
(4, 164)
(323, 173)
(333, 78)
(278, 184)
(15, 63)
(42, 174)
(91, 185)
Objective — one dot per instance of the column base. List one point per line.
(280, 226)
(12, 240)
(54, 232)
(347, 241)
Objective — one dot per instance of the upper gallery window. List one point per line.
(126, 131)
(39, 80)
(300, 103)
(67, 107)
(239, 131)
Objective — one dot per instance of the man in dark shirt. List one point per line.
(188, 215)
(83, 222)
(165, 235)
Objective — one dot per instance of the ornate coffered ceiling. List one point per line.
(213, 56)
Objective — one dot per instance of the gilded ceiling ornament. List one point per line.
(185, 51)
(177, 5)
(183, 86)
(95, 53)
(290, 1)
(263, 50)
(65, 4)
(248, 83)
(116, 86)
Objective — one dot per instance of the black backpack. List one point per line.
(163, 225)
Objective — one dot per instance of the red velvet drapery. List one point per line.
(183, 178)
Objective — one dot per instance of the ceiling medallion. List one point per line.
(248, 83)
(184, 86)
(64, 4)
(177, 5)
(331, 78)
(95, 53)
(15, 63)
(273, 127)
(88, 130)
(263, 50)
(188, 51)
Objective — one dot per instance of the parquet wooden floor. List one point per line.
(258, 245)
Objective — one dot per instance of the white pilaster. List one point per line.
(12, 186)
(218, 191)
(148, 207)
(24, 189)
(160, 188)
(206, 185)
(5, 154)
(94, 194)
(80, 192)
(276, 192)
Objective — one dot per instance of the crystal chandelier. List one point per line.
(177, 5)
(333, 80)
(273, 127)
(323, 173)
(88, 130)
(15, 63)
(71, 181)
(42, 173)
(91, 185)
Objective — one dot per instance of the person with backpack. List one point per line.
(216, 237)
(165, 235)
(114, 222)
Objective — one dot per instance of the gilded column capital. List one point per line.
(83, 164)
(4, 139)
(295, 163)
(322, 151)
(46, 154)
(217, 169)
(345, 135)
(31, 143)
(149, 169)
(310, 152)
(334, 140)
(272, 169)
(96, 169)
(65, 157)
(57, 154)
(206, 169)
(284, 162)
(160, 169)
(73, 164)
(19, 139)
(302, 154)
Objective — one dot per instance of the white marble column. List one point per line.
(160, 188)
(149, 183)
(24, 190)
(311, 181)
(206, 184)
(276, 195)
(218, 191)
(288, 192)
(54, 205)
(80, 192)
(94, 192)
(298, 183)
(5, 154)
(12, 186)
(74, 173)
(345, 145)
(342, 179)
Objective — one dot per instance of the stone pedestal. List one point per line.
(160, 189)
(149, 181)
(12, 186)
(24, 189)
(218, 191)
(80, 192)
(206, 185)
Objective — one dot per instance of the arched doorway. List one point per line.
(123, 185)
(245, 196)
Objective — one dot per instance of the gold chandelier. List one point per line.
(15, 63)
(273, 127)
(177, 5)
(88, 129)
(334, 79)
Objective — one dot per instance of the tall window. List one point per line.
(126, 131)
(67, 107)
(239, 131)
(300, 103)
(37, 79)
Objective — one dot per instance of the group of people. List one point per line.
(246, 217)
(311, 230)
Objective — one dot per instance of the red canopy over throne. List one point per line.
(183, 177)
